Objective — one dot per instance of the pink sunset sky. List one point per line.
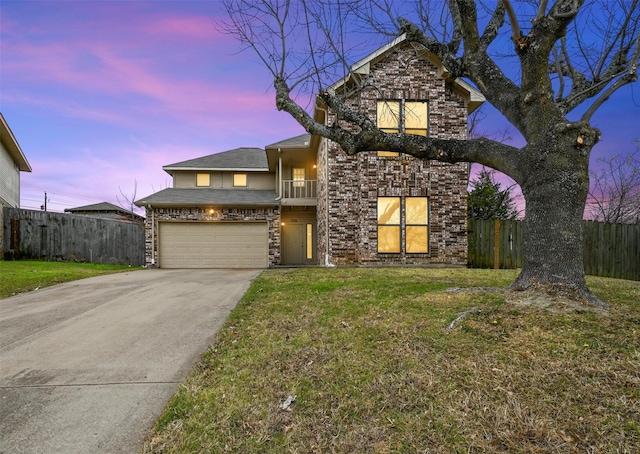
(101, 94)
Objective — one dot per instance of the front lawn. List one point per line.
(369, 366)
(26, 275)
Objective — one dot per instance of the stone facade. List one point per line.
(156, 215)
(348, 187)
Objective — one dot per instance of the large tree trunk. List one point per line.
(555, 189)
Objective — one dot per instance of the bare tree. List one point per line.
(615, 190)
(536, 62)
(129, 201)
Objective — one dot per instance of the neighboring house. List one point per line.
(106, 210)
(12, 162)
(303, 201)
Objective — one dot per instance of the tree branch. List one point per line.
(622, 81)
(414, 34)
(369, 138)
(542, 9)
(493, 26)
(516, 33)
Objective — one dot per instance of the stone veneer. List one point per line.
(348, 187)
(155, 215)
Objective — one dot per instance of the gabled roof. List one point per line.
(363, 67)
(301, 141)
(195, 197)
(103, 207)
(11, 145)
(241, 159)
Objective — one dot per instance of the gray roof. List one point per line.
(103, 207)
(302, 141)
(190, 197)
(238, 159)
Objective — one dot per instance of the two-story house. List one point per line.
(303, 201)
(12, 162)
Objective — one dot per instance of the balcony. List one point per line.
(298, 192)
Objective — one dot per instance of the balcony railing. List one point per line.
(299, 189)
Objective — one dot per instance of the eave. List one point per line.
(362, 68)
(11, 145)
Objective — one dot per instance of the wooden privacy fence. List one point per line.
(611, 250)
(30, 234)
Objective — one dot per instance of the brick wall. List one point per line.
(352, 184)
(155, 215)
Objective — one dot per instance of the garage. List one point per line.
(213, 245)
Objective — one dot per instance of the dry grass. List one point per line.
(373, 368)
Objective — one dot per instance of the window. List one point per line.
(410, 117)
(389, 224)
(416, 225)
(309, 241)
(298, 177)
(203, 179)
(388, 115)
(240, 179)
(415, 118)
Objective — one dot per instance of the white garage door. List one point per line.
(213, 245)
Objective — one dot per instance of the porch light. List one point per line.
(211, 211)
(314, 166)
(282, 224)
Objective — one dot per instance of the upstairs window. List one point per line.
(298, 177)
(415, 118)
(388, 116)
(410, 117)
(203, 179)
(240, 180)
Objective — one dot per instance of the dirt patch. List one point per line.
(557, 302)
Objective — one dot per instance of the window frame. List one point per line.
(390, 130)
(408, 226)
(203, 174)
(297, 182)
(402, 120)
(244, 175)
(390, 225)
(404, 224)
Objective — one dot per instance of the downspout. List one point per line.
(279, 181)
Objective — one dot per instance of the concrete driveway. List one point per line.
(87, 366)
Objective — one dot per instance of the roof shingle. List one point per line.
(206, 196)
(237, 159)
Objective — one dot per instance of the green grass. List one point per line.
(367, 354)
(24, 276)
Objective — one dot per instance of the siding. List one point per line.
(9, 180)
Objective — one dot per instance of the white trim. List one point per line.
(217, 169)
(363, 66)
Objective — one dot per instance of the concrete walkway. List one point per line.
(87, 366)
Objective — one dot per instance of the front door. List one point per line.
(297, 243)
